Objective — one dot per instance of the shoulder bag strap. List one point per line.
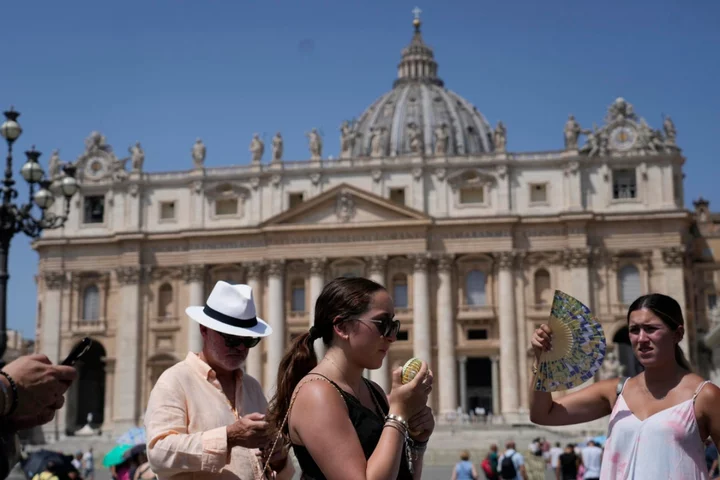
(316, 376)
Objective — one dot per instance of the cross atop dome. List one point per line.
(416, 21)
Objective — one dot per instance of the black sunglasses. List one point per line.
(387, 327)
(232, 341)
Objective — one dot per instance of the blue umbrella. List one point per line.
(600, 440)
(134, 436)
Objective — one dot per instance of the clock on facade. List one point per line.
(623, 138)
(96, 167)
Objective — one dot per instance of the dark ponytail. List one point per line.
(299, 360)
(669, 311)
(341, 299)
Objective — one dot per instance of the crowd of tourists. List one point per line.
(207, 419)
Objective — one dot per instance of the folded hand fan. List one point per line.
(578, 346)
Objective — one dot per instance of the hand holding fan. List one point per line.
(578, 346)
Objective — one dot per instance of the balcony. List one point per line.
(165, 323)
(476, 312)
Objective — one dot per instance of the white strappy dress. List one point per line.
(670, 447)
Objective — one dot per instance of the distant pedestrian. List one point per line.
(464, 469)
(568, 463)
(88, 465)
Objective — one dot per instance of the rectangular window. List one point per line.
(538, 193)
(94, 209)
(477, 334)
(226, 206)
(397, 195)
(295, 199)
(472, 195)
(711, 301)
(167, 211)
(624, 184)
(403, 336)
(297, 301)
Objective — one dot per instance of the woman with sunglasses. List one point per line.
(341, 425)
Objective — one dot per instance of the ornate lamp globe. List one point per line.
(11, 129)
(68, 184)
(44, 198)
(32, 172)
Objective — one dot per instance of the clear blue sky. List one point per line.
(165, 72)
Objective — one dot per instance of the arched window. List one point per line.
(630, 285)
(91, 304)
(297, 298)
(165, 301)
(543, 292)
(400, 290)
(475, 282)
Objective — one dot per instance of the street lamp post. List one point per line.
(16, 218)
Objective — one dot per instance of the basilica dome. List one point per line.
(419, 115)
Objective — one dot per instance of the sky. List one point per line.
(164, 72)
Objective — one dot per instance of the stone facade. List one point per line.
(705, 278)
(470, 239)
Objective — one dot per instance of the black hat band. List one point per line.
(228, 320)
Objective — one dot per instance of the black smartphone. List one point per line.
(80, 349)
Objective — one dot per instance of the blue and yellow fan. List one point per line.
(578, 346)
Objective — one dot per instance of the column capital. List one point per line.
(317, 265)
(253, 270)
(194, 273)
(576, 257)
(445, 262)
(673, 256)
(129, 275)
(420, 261)
(505, 260)
(53, 280)
(376, 264)
(275, 268)
(159, 273)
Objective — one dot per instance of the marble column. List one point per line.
(381, 376)
(128, 341)
(576, 260)
(521, 324)
(462, 364)
(674, 260)
(317, 282)
(195, 278)
(447, 373)
(495, 382)
(276, 319)
(50, 336)
(509, 393)
(253, 277)
(421, 309)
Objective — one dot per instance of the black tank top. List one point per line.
(368, 425)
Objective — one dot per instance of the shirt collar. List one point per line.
(205, 370)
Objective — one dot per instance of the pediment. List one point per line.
(346, 204)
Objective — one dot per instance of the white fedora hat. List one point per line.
(230, 309)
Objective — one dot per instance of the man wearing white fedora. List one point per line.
(206, 418)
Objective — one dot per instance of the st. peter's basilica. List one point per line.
(425, 197)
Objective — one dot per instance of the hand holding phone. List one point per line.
(80, 349)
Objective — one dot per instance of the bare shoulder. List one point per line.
(314, 392)
(708, 396)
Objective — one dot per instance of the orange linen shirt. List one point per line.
(186, 425)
